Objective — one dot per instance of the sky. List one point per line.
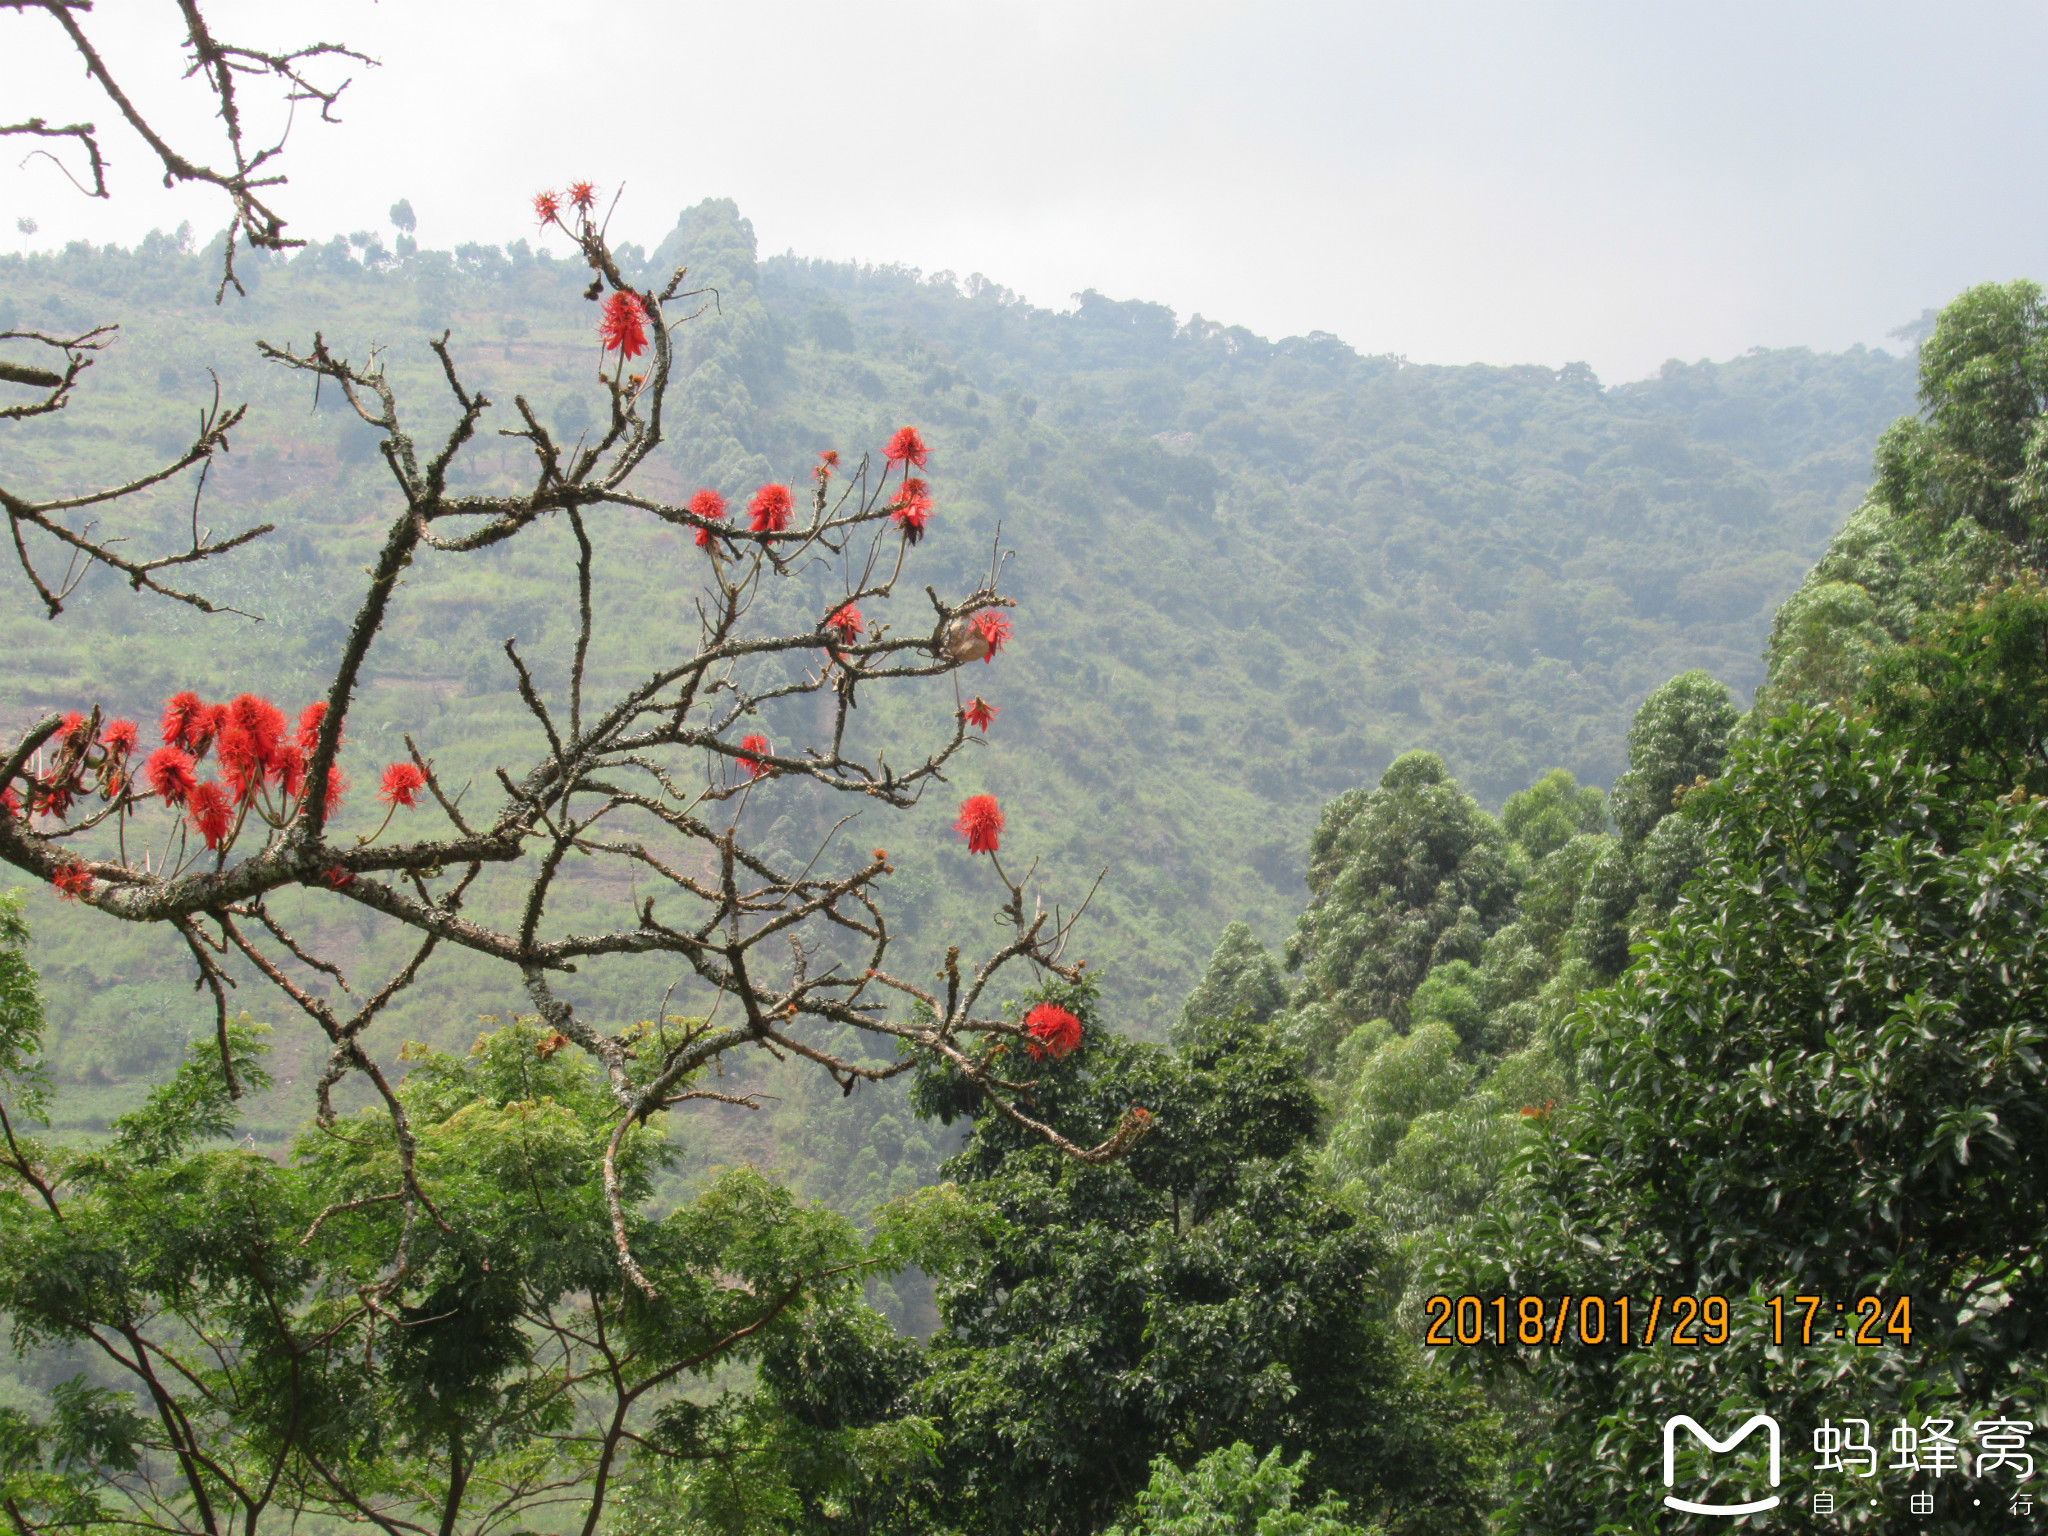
(1454, 182)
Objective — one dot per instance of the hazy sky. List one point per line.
(1526, 182)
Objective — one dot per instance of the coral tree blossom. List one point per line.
(187, 722)
(583, 194)
(914, 511)
(753, 765)
(906, 447)
(980, 714)
(624, 324)
(546, 207)
(707, 504)
(993, 628)
(309, 727)
(1054, 1030)
(210, 813)
(170, 775)
(981, 823)
(402, 785)
(847, 622)
(72, 880)
(119, 737)
(769, 510)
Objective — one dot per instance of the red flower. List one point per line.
(1058, 1030)
(708, 504)
(754, 767)
(262, 720)
(827, 462)
(980, 713)
(74, 727)
(119, 737)
(993, 628)
(981, 823)
(915, 511)
(338, 877)
(847, 620)
(770, 509)
(624, 324)
(337, 786)
(240, 768)
(547, 208)
(169, 772)
(309, 727)
(52, 799)
(210, 813)
(288, 770)
(72, 880)
(906, 447)
(11, 800)
(402, 785)
(184, 717)
(583, 194)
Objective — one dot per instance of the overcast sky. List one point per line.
(1525, 182)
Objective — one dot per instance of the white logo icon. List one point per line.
(1671, 1426)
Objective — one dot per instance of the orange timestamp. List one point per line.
(1642, 1321)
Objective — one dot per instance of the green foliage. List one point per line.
(1231, 1492)
(1198, 1292)
(1971, 689)
(1959, 500)
(1679, 736)
(24, 1074)
(1824, 1076)
(1400, 878)
(1980, 451)
(315, 1344)
(1243, 975)
(1552, 811)
(1678, 740)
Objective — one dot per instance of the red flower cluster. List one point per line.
(906, 447)
(583, 194)
(846, 621)
(914, 508)
(981, 823)
(980, 714)
(84, 763)
(1054, 1031)
(72, 881)
(547, 208)
(993, 628)
(769, 510)
(255, 751)
(707, 504)
(827, 462)
(623, 325)
(754, 767)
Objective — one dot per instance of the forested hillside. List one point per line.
(1250, 573)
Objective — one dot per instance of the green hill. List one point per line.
(1250, 574)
